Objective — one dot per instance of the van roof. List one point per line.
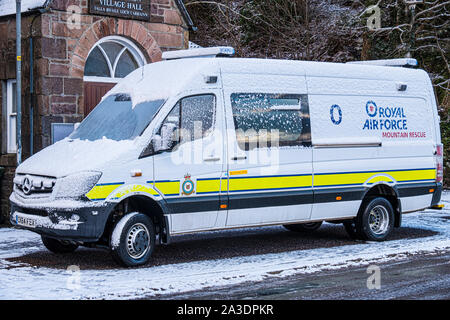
(313, 68)
(190, 72)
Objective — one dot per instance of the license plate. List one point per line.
(25, 221)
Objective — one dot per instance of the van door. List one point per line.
(269, 158)
(189, 175)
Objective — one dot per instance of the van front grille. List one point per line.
(28, 185)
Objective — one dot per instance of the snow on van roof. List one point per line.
(313, 68)
(164, 79)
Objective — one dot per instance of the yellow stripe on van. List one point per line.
(168, 187)
(380, 178)
(224, 185)
(268, 183)
(414, 175)
(134, 189)
(102, 191)
(208, 186)
(355, 178)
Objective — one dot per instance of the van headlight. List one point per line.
(76, 185)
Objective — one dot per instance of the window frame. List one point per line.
(179, 101)
(305, 119)
(127, 45)
(11, 137)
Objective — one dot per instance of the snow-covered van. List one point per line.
(202, 141)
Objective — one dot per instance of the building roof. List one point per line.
(8, 7)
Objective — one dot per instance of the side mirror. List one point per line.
(156, 143)
(167, 139)
(163, 142)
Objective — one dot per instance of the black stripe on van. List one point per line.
(338, 194)
(415, 189)
(193, 204)
(285, 198)
(269, 199)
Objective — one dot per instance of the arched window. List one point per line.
(111, 59)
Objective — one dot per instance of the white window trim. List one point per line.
(11, 140)
(132, 48)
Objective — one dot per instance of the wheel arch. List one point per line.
(390, 193)
(144, 204)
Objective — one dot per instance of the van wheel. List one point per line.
(376, 220)
(57, 246)
(133, 240)
(303, 227)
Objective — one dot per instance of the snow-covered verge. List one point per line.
(30, 282)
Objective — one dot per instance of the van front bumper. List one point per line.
(73, 220)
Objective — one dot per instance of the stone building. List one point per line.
(78, 50)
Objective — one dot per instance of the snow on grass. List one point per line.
(26, 282)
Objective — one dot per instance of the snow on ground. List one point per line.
(31, 282)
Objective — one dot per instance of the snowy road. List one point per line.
(424, 276)
(215, 259)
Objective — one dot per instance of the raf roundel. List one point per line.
(336, 114)
(188, 186)
(371, 108)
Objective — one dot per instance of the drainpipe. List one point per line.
(31, 94)
(19, 79)
(31, 87)
(32, 100)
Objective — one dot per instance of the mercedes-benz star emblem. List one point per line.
(26, 186)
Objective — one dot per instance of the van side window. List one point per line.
(191, 118)
(197, 116)
(270, 120)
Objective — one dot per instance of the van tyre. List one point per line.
(375, 220)
(57, 246)
(303, 227)
(133, 240)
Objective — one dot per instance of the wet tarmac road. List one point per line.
(214, 245)
(419, 277)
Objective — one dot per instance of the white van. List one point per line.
(200, 142)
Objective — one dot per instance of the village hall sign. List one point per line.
(129, 9)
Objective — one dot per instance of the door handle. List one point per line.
(211, 159)
(239, 158)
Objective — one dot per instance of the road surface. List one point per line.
(419, 277)
(262, 263)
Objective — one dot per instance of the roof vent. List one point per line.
(402, 62)
(199, 53)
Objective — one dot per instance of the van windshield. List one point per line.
(115, 118)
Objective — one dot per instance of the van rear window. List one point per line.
(116, 118)
(269, 120)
